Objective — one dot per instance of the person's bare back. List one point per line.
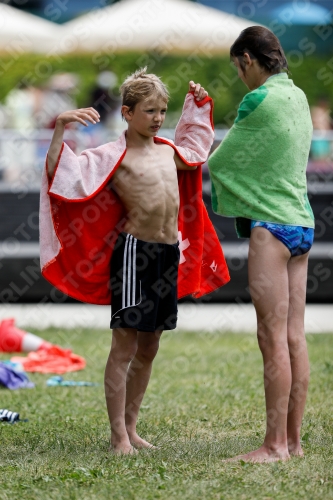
(146, 183)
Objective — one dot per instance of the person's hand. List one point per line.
(199, 92)
(81, 115)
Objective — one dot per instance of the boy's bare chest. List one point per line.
(149, 169)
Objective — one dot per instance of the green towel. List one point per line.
(259, 170)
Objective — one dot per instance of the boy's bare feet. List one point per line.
(296, 451)
(122, 448)
(262, 455)
(140, 443)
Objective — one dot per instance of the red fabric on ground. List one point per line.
(54, 359)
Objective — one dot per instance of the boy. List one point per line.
(139, 235)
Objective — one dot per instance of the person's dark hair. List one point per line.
(261, 44)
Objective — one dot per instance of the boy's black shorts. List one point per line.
(144, 284)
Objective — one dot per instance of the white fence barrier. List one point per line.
(22, 154)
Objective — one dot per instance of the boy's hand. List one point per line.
(76, 115)
(79, 115)
(199, 92)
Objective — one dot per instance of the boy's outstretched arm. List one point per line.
(77, 115)
(194, 133)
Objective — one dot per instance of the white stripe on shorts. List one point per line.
(134, 272)
(124, 272)
(129, 272)
(128, 299)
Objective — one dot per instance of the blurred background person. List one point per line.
(18, 114)
(58, 96)
(104, 97)
(21, 105)
(321, 114)
(322, 124)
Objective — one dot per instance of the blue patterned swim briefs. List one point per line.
(297, 239)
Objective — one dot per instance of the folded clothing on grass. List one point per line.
(12, 379)
(52, 359)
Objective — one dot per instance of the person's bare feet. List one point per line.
(122, 448)
(296, 451)
(262, 455)
(140, 443)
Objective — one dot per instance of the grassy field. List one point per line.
(204, 403)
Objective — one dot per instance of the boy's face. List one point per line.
(147, 117)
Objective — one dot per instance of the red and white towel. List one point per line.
(81, 217)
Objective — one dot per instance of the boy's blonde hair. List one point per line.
(140, 86)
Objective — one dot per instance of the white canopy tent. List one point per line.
(161, 25)
(22, 32)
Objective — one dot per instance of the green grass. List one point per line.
(204, 403)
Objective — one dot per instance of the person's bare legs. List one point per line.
(268, 280)
(137, 381)
(297, 274)
(123, 349)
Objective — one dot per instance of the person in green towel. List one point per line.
(258, 176)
